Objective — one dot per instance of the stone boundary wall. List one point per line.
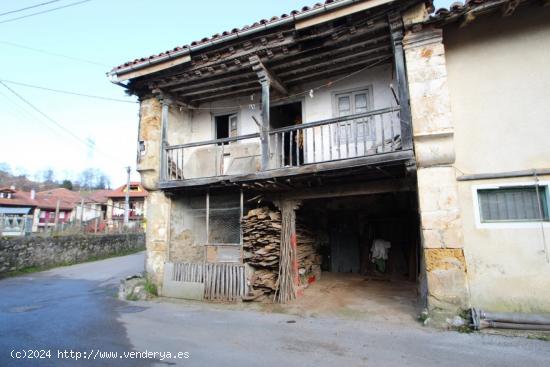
(17, 253)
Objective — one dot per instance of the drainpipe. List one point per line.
(509, 320)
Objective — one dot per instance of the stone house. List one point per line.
(17, 212)
(56, 207)
(292, 148)
(116, 204)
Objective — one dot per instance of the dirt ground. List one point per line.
(357, 297)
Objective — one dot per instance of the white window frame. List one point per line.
(510, 224)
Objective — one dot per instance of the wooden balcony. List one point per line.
(370, 138)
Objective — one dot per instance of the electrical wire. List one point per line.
(87, 143)
(44, 11)
(29, 7)
(67, 92)
(55, 54)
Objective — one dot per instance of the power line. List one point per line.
(66, 92)
(45, 11)
(55, 54)
(29, 7)
(85, 142)
(46, 116)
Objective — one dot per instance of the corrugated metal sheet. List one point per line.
(14, 210)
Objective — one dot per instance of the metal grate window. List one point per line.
(224, 218)
(513, 204)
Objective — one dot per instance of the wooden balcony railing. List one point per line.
(341, 138)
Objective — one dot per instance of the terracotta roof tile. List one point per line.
(459, 8)
(223, 34)
(120, 191)
(19, 198)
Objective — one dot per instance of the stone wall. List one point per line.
(433, 135)
(22, 252)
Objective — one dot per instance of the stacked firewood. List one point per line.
(309, 261)
(261, 243)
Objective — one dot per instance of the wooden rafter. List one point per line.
(264, 73)
(509, 7)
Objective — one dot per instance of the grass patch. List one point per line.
(150, 287)
(132, 297)
(35, 269)
(545, 338)
(465, 329)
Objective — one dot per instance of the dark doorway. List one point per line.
(344, 242)
(222, 127)
(225, 126)
(291, 143)
(346, 230)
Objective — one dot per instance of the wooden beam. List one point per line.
(264, 130)
(377, 159)
(337, 60)
(223, 79)
(220, 96)
(310, 169)
(396, 29)
(330, 52)
(194, 92)
(354, 189)
(294, 51)
(509, 7)
(339, 69)
(264, 73)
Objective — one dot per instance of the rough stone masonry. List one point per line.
(23, 252)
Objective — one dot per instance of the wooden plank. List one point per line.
(340, 164)
(364, 188)
(339, 13)
(263, 72)
(396, 27)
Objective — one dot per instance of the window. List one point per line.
(5, 195)
(513, 204)
(225, 126)
(350, 104)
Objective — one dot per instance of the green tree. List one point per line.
(67, 184)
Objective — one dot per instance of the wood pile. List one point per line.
(309, 261)
(261, 243)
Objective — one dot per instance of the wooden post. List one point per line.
(95, 225)
(166, 102)
(288, 264)
(207, 215)
(81, 213)
(264, 131)
(127, 196)
(56, 220)
(396, 30)
(266, 79)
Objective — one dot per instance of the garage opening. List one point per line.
(369, 248)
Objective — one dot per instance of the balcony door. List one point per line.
(287, 146)
(353, 135)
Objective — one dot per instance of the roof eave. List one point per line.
(129, 72)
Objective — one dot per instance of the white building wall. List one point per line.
(243, 157)
(499, 78)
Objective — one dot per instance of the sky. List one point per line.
(98, 34)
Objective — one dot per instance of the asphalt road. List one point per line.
(75, 309)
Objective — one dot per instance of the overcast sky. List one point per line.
(105, 33)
